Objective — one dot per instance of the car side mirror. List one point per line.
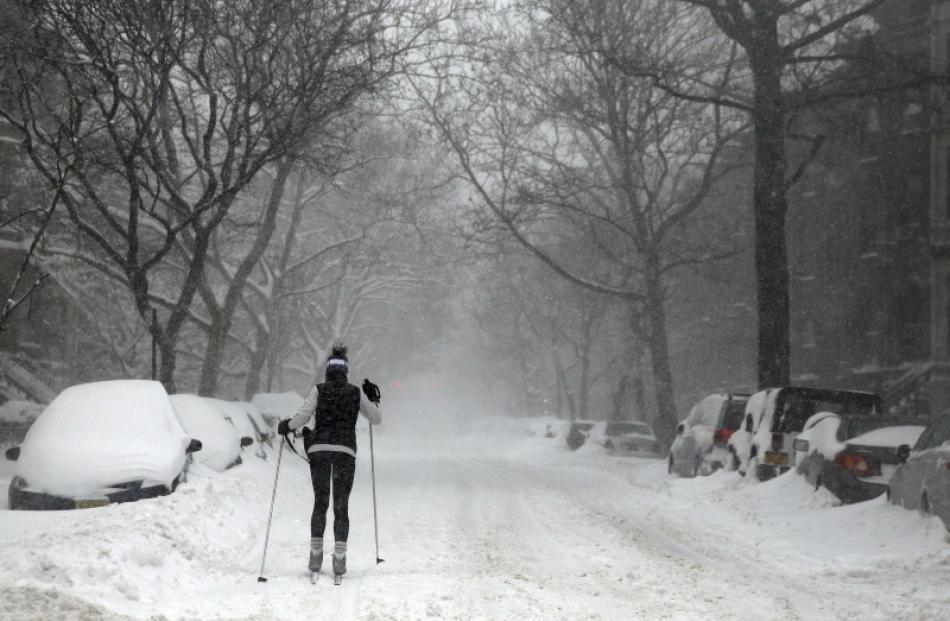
(194, 446)
(903, 452)
(246, 441)
(13, 453)
(679, 429)
(800, 445)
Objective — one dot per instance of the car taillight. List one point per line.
(778, 441)
(721, 436)
(857, 464)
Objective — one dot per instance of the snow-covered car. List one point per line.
(245, 424)
(578, 433)
(853, 457)
(701, 443)
(221, 443)
(626, 438)
(556, 428)
(277, 405)
(922, 481)
(265, 426)
(774, 417)
(101, 443)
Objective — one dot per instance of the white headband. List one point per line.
(336, 361)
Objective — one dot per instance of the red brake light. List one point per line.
(778, 441)
(721, 436)
(855, 463)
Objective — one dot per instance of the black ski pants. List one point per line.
(338, 468)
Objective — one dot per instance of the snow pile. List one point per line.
(221, 446)
(20, 412)
(95, 435)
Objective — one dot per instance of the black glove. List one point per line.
(283, 427)
(371, 391)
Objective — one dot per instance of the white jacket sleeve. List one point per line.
(305, 411)
(369, 410)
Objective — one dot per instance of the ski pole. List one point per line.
(372, 471)
(270, 516)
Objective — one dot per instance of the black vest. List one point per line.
(338, 406)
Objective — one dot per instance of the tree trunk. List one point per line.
(223, 321)
(770, 207)
(256, 365)
(665, 423)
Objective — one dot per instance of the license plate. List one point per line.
(91, 503)
(775, 458)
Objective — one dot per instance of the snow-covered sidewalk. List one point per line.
(485, 526)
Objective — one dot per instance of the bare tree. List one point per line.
(163, 112)
(592, 170)
(795, 54)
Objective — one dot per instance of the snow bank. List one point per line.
(95, 435)
(221, 445)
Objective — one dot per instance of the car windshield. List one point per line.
(735, 410)
(795, 406)
(583, 426)
(616, 429)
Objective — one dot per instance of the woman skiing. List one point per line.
(331, 447)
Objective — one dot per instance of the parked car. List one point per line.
(245, 425)
(626, 438)
(774, 417)
(922, 481)
(853, 457)
(261, 422)
(578, 433)
(701, 443)
(101, 443)
(220, 439)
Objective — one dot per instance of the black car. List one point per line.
(853, 456)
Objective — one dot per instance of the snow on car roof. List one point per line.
(890, 436)
(92, 436)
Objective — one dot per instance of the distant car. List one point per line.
(101, 443)
(220, 439)
(701, 443)
(922, 481)
(853, 457)
(578, 433)
(774, 417)
(626, 438)
(556, 429)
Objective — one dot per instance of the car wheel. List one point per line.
(925, 504)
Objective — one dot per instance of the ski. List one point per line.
(338, 579)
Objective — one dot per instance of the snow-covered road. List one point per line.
(484, 527)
